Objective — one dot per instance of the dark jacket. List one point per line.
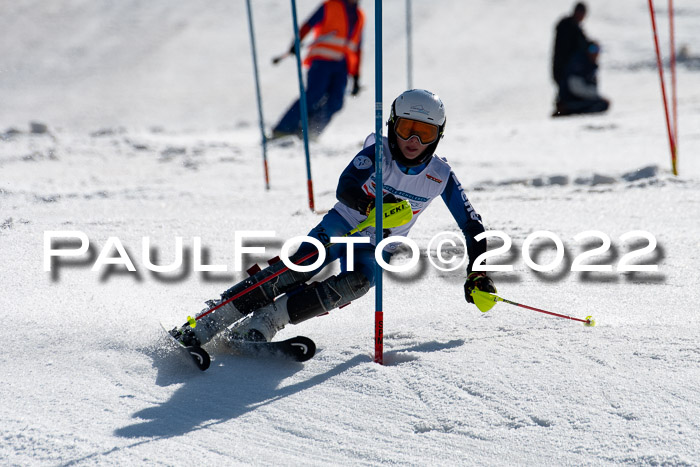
(579, 79)
(568, 40)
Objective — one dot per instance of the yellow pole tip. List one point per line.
(589, 321)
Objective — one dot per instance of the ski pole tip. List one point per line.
(590, 322)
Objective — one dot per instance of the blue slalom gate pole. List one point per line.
(302, 102)
(409, 44)
(379, 189)
(257, 93)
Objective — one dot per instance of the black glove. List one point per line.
(478, 281)
(293, 49)
(355, 86)
(366, 205)
(279, 58)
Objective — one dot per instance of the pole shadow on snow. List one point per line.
(398, 356)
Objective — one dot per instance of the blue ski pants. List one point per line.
(325, 91)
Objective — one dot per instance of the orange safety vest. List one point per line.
(331, 41)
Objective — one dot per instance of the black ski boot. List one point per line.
(185, 336)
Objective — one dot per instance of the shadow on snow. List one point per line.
(234, 386)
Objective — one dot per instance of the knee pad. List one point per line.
(321, 297)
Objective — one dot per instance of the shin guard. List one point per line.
(265, 293)
(321, 297)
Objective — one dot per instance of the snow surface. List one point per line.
(153, 131)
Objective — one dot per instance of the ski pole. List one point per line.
(485, 301)
(395, 215)
(279, 58)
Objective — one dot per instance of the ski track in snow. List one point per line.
(90, 379)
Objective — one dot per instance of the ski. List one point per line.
(298, 348)
(196, 354)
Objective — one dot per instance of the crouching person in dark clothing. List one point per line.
(578, 87)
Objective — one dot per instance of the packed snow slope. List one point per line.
(152, 131)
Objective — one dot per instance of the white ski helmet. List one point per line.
(421, 106)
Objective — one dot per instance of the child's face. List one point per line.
(411, 148)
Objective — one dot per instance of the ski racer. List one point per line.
(411, 171)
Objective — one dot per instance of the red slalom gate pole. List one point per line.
(659, 64)
(379, 337)
(674, 101)
(303, 107)
(379, 189)
(310, 189)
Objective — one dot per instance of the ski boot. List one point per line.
(306, 302)
(263, 324)
(186, 336)
(207, 323)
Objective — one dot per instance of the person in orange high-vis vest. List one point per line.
(334, 54)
